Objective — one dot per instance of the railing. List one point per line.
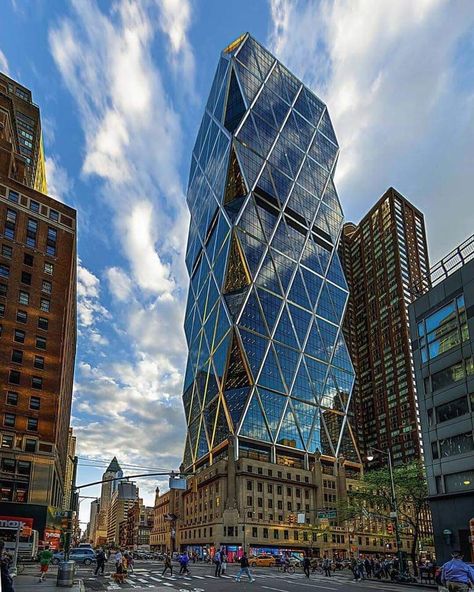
(444, 268)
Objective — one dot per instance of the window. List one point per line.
(21, 316)
(279, 490)
(249, 485)
(28, 259)
(26, 278)
(23, 467)
(4, 270)
(24, 298)
(51, 241)
(39, 362)
(32, 424)
(260, 487)
(35, 403)
(254, 532)
(17, 356)
(13, 196)
(48, 268)
(295, 535)
(459, 481)
(2, 310)
(10, 224)
(285, 535)
(46, 287)
(54, 215)
(30, 445)
(7, 441)
(44, 305)
(31, 233)
(14, 377)
(7, 251)
(249, 500)
(276, 534)
(9, 420)
(288, 506)
(43, 323)
(459, 444)
(19, 336)
(3, 289)
(12, 398)
(452, 409)
(34, 206)
(40, 342)
(265, 533)
(36, 382)
(260, 502)
(270, 488)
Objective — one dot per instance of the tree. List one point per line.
(375, 492)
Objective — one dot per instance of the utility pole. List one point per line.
(72, 509)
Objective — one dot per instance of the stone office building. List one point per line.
(442, 333)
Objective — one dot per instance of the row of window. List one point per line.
(451, 375)
(24, 300)
(279, 489)
(28, 444)
(19, 336)
(17, 358)
(279, 474)
(28, 259)
(14, 196)
(451, 410)
(20, 467)
(31, 233)
(9, 421)
(454, 445)
(289, 505)
(46, 286)
(12, 399)
(14, 377)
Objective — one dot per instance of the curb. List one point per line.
(413, 585)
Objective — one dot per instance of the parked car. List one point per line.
(79, 555)
(263, 560)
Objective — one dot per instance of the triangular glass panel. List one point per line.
(297, 235)
(235, 185)
(193, 434)
(212, 388)
(255, 348)
(202, 134)
(274, 406)
(251, 317)
(203, 447)
(314, 441)
(264, 59)
(250, 83)
(313, 284)
(326, 444)
(268, 218)
(284, 332)
(301, 322)
(341, 356)
(233, 208)
(235, 400)
(250, 221)
(209, 416)
(328, 221)
(347, 445)
(253, 251)
(265, 182)
(344, 382)
(284, 268)
(266, 134)
(187, 399)
(222, 430)
(334, 422)
(325, 307)
(288, 359)
(235, 107)
(323, 151)
(234, 302)
(220, 357)
(267, 277)
(289, 434)
(188, 457)
(298, 292)
(237, 276)
(249, 135)
(270, 376)
(222, 325)
(246, 56)
(330, 197)
(309, 106)
(253, 425)
(335, 273)
(314, 345)
(219, 108)
(338, 299)
(330, 399)
(236, 375)
(282, 185)
(250, 162)
(302, 386)
(317, 373)
(219, 76)
(310, 258)
(271, 305)
(328, 334)
(210, 326)
(326, 127)
(305, 415)
(281, 240)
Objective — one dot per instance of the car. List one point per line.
(79, 555)
(262, 560)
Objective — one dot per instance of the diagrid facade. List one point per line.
(268, 366)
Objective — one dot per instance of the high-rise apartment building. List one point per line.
(37, 320)
(70, 466)
(442, 333)
(382, 256)
(267, 363)
(111, 479)
(123, 498)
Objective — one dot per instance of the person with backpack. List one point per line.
(244, 569)
(218, 563)
(100, 559)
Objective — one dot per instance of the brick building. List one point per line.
(139, 525)
(37, 320)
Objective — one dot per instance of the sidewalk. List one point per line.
(28, 583)
(427, 586)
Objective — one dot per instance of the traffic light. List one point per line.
(390, 528)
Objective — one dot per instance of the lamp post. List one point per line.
(394, 512)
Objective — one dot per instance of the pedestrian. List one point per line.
(355, 569)
(183, 562)
(456, 575)
(223, 563)
(118, 557)
(100, 559)
(5, 564)
(244, 569)
(218, 563)
(120, 570)
(167, 564)
(306, 565)
(327, 566)
(109, 553)
(368, 567)
(130, 561)
(45, 559)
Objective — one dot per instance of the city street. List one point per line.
(147, 576)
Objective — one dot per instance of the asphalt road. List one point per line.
(147, 577)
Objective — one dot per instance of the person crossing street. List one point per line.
(244, 569)
(456, 575)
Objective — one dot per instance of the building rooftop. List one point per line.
(114, 466)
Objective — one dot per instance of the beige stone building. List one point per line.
(166, 519)
(122, 500)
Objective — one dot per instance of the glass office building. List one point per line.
(268, 365)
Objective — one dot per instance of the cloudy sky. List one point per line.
(122, 86)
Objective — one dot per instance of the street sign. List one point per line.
(175, 483)
(328, 515)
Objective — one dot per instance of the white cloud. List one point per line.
(89, 309)
(119, 283)
(3, 63)
(387, 71)
(59, 183)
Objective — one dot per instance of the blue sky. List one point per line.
(122, 86)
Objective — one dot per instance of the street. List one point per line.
(147, 576)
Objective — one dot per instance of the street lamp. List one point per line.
(394, 512)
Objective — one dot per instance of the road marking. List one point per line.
(199, 577)
(277, 589)
(155, 579)
(313, 585)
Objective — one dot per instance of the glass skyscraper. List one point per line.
(268, 364)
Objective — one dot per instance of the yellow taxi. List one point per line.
(263, 560)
